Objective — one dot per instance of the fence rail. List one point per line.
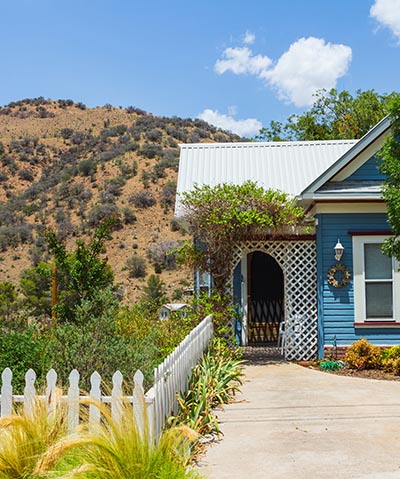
(170, 377)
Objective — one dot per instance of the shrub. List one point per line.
(135, 167)
(93, 343)
(87, 167)
(363, 355)
(154, 135)
(174, 225)
(21, 350)
(102, 212)
(391, 360)
(64, 103)
(8, 300)
(129, 215)
(150, 151)
(138, 111)
(25, 174)
(177, 294)
(331, 365)
(142, 199)
(162, 254)
(114, 185)
(35, 285)
(136, 266)
(66, 133)
(168, 194)
(10, 162)
(153, 293)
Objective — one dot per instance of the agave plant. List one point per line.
(214, 381)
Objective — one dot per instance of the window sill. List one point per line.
(377, 324)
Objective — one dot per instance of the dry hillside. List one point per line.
(68, 167)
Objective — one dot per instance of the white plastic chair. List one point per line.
(281, 336)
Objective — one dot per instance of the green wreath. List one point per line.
(344, 278)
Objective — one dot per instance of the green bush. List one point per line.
(142, 199)
(95, 343)
(136, 266)
(391, 359)
(363, 355)
(331, 365)
(20, 351)
(153, 294)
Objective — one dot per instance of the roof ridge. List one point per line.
(268, 144)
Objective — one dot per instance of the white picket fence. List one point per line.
(170, 377)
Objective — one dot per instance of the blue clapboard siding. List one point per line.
(336, 305)
(368, 171)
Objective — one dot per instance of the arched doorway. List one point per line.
(265, 298)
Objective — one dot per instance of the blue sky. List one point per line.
(239, 64)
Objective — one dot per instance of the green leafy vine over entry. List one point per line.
(224, 214)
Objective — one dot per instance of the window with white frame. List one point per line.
(376, 280)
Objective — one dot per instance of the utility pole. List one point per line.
(53, 293)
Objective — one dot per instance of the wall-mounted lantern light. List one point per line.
(338, 250)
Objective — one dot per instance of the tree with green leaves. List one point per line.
(82, 272)
(35, 285)
(8, 300)
(390, 166)
(334, 115)
(153, 295)
(221, 215)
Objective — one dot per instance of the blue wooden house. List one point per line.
(320, 290)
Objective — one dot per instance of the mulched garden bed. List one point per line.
(366, 374)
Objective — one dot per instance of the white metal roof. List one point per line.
(287, 166)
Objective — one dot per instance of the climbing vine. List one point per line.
(221, 215)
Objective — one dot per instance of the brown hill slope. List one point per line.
(66, 166)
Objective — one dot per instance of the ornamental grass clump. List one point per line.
(26, 437)
(120, 448)
(363, 355)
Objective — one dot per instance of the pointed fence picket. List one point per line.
(153, 408)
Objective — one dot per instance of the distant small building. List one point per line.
(167, 309)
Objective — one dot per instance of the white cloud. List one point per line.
(249, 38)
(310, 64)
(241, 60)
(387, 13)
(247, 127)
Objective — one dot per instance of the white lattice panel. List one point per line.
(299, 265)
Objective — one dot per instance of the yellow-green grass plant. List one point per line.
(120, 449)
(26, 437)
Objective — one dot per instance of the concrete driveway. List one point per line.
(297, 423)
